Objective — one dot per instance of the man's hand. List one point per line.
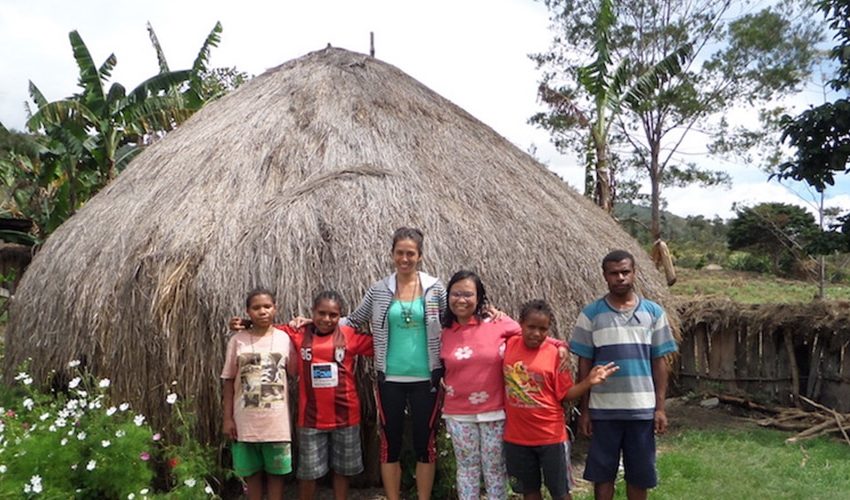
(229, 429)
(584, 425)
(660, 421)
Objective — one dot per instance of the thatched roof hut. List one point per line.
(295, 181)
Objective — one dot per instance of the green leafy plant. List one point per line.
(75, 442)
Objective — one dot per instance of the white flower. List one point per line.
(208, 490)
(144, 491)
(91, 465)
(476, 398)
(61, 422)
(74, 382)
(171, 398)
(44, 416)
(139, 420)
(52, 428)
(81, 435)
(124, 406)
(104, 383)
(3, 469)
(74, 363)
(28, 403)
(73, 466)
(28, 381)
(82, 395)
(64, 441)
(464, 352)
(120, 433)
(27, 488)
(21, 376)
(105, 443)
(131, 496)
(190, 482)
(111, 411)
(36, 483)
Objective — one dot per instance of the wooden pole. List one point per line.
(372, 44)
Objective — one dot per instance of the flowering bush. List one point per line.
(77, 443)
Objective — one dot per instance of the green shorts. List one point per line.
(251, 458)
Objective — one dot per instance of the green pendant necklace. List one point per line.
(407, 312)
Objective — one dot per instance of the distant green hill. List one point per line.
(675, 229)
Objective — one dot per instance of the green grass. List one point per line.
(740, 464)
(750, 288)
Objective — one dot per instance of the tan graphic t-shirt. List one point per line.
(260, 401)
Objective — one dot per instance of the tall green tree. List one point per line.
(741, 57)
(820, 135)
(778, 230)
(609, 88)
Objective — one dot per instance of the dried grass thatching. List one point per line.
(295, 181)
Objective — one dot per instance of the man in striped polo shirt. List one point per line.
(624, 414)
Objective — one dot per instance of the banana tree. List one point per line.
(89, 137)
(610, 89)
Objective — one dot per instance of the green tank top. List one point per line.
(407, 349)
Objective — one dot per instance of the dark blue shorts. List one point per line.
(524, 464)
(636, 439)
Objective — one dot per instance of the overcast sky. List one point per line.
(473, 52)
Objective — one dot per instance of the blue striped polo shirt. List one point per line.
(631, 339)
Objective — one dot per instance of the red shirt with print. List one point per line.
(327, 391)
(534, 389)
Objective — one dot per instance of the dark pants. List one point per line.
(392, 399)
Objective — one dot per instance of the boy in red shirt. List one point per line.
(328, 406)
(535, 427)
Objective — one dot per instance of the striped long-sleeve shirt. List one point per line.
(373, 309)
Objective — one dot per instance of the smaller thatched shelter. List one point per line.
(295, 181)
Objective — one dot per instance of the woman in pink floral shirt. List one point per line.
(471, 351)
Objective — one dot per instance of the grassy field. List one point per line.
(725, 457)
(749, 288)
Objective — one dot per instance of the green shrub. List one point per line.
(77, 443)
(743, 261)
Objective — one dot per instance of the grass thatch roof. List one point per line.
(296, 181)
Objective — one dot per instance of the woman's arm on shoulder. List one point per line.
(510, 328)
(362, 314)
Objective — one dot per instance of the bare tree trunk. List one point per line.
(603, 179)
(655, 193)
(589, 170)
(821, 259)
